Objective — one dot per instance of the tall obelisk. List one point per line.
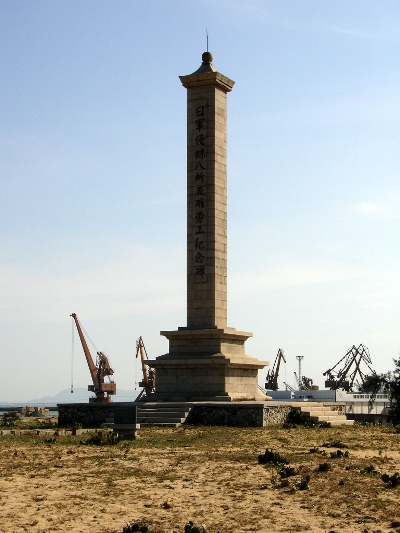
(206, 359)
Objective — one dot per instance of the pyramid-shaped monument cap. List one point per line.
(207, 75)
(206, 65)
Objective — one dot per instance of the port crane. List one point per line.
(149, 376)
(271, 381)
(103, 391)
(304, 383)
(345, 377)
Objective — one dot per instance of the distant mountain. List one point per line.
(79, 395)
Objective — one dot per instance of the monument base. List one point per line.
(206, 365)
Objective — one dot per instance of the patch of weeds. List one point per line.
(335, 444)
(303, 484)
(10, 419)
(102, 438)
(298, 418)
(287, 471)
(75, 427)
(391, 481)
(190, 527)
(284, 472)
(126, 446)
(324, 467)
(339, 453)
(270, 457)
(370, 469)
(140, 526)
(274, 480)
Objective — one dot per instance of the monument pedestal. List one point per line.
(206, 365)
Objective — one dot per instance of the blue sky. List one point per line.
(93, 177)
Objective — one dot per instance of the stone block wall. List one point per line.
(238, 414)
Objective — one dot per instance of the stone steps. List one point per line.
(323, 413)
(162, 414)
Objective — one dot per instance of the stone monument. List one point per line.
(206, 359)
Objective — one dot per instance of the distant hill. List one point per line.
(80, 395)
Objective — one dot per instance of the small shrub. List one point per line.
(324, 467)
(335, 444)
(339, 453)
(391, 481)
(304, 483)
(287, 471)
(298, 418)
(76, 425)
(102, 438)
(370, 469)
(10, 419)
(270, 457)
(190, 527)
(136, 527)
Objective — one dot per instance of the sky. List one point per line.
(93, 181)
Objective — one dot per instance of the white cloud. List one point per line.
(386, 207)
(352, 32)
(291, 273)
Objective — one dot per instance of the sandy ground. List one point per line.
(208, 475)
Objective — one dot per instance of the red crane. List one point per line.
(98, 371)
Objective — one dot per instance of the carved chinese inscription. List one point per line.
(199, 190)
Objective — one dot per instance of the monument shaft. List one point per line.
(206, 359)
(207, 200)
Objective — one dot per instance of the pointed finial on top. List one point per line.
(207, 38)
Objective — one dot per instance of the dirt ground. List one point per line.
(210, 475)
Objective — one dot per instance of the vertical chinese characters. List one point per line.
(199, 193)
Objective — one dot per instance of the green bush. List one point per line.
(324, 467)
(391, 481)
(298, 418)
(270, 457)
(102, 437)
(304, 483)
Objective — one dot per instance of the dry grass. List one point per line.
(208, 475)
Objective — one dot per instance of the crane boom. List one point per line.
(271, 382)
(97, 371)
(89, 360)
(149, 378)
(345, 378)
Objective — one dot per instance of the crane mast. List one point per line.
(97, 371)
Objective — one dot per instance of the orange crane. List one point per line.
(149, 376)
(98, 371)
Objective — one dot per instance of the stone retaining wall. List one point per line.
(238, 414)
(94, 415)
(276, 415)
